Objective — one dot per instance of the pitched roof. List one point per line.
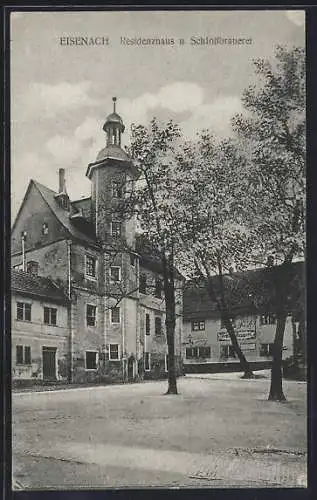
(63, 216)
(28, 284)
(251, 291)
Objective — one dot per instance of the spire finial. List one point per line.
(114, 104)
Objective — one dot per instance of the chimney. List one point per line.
(33, 267)
(62, 196)
(61, 177)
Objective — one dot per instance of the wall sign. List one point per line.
(241, 334)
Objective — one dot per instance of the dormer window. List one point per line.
(45, 228)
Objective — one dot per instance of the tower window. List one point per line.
(91, 266)
(45, 228)
(116, 229)
(117, 189)
(115, 273)
(91, 315)
(115, 315)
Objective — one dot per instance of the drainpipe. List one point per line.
(23, 236)
(71, 368)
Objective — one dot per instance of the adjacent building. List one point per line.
(40, 333)
(250, 295)
(112, 311)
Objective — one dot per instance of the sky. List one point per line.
(61, 94)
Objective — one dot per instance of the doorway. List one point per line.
(130, 368)
(49, 363)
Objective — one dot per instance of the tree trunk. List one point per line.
(276, 389)
(170, 321)
(172, 385)
(228, 324)
(248, 373)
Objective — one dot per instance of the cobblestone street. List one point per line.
(215, 433)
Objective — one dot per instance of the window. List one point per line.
(268, 319)
(158, 288)
(198, 324)
(116, 229)
(147, 361)
(266, 349)
(113, 351)
(142, 285)
(91, 266)
(91, 360)
(115, 315)
(198, 352)
(115, 274)
(50, 314)
(27, 355)
(23, 311)
(147, 325)
(19, 355)
(132, 259)
(23, 355)
(227, 351)
(204, 352)
(117, 189)
(158, 326)
(45, 228)
(91, 315)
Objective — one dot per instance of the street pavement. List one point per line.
(215, 433)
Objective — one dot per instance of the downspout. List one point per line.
(69, 293)
(23, 252)
(96, 194)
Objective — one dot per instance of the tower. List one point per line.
(112, 177)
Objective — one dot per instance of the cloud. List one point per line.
(42, 100)
(215, 116)
(180, 96)
(296, 17)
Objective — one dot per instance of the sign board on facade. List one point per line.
(243, 334)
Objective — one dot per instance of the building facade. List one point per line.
(40, 334)
(91, 251)
(206, 342)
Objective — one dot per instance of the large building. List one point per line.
(111, 283)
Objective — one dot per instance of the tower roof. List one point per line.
(113, 120)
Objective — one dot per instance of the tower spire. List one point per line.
(114, 127)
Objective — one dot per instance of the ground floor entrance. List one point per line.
(49, 363)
